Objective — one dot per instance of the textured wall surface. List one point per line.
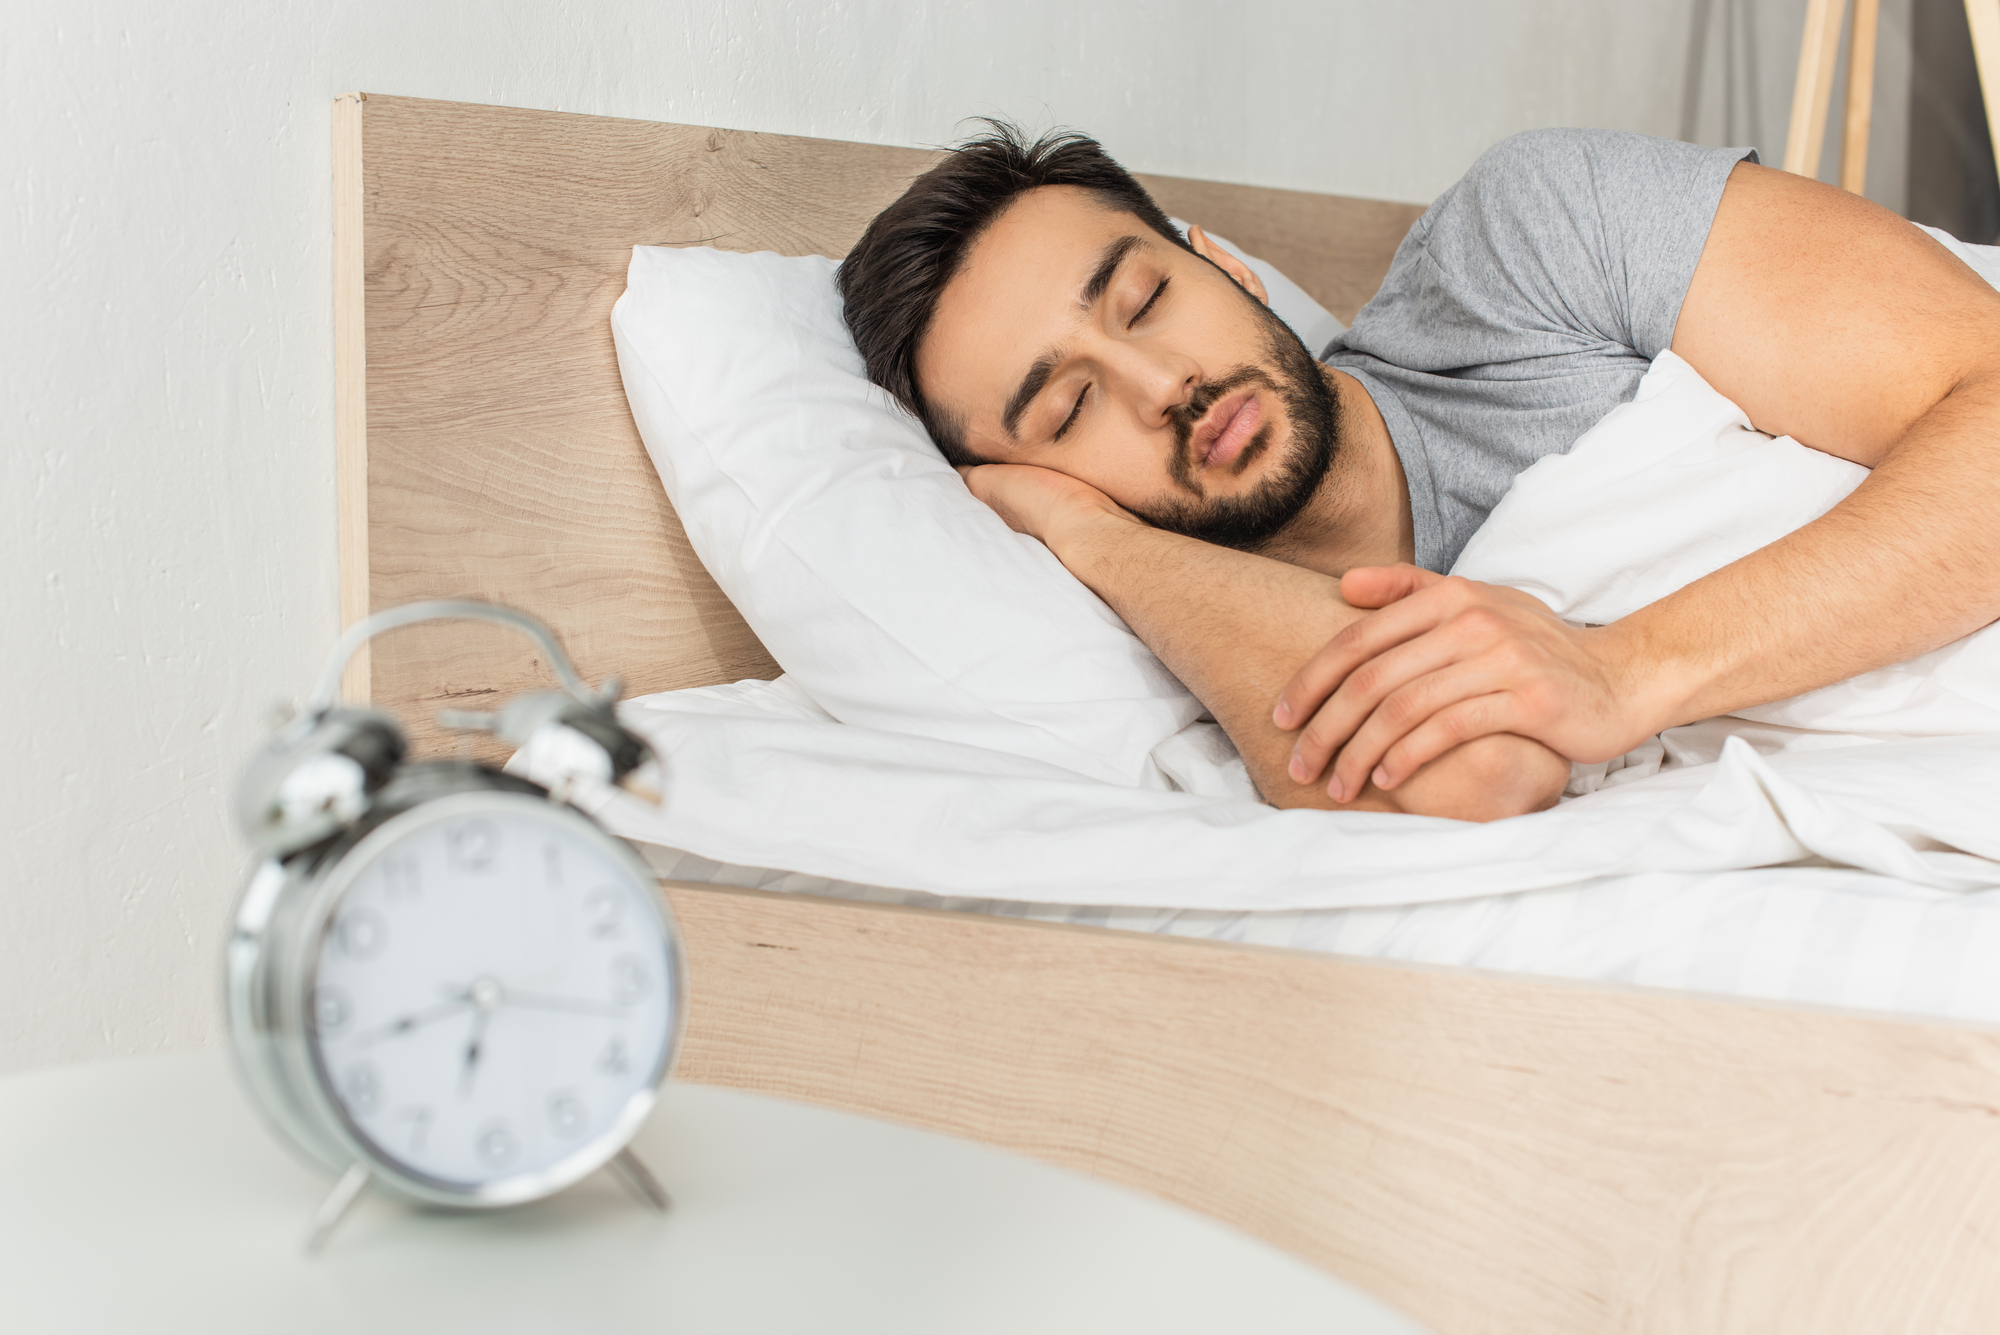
(166, 483)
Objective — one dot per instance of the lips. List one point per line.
(1225, 429)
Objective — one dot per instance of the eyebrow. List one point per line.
(1093, 288)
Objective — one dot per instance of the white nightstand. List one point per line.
(143, 1196)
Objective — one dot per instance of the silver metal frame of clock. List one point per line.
(280, 925)
(320, 824)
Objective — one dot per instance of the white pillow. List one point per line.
(889, 594)
(1983, 260)
(885, 590)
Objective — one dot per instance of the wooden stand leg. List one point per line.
(1860, 96)
(1819, 49)
(1983, 17)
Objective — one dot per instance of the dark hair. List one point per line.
(890, 282)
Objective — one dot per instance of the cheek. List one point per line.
(1124, 462)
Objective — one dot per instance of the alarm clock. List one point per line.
(445, 981)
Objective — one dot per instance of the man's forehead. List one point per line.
(1056, 220)
(1022, 281)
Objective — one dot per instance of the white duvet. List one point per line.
(1896, 772)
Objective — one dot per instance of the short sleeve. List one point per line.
(1556, 242)
(1523, 306)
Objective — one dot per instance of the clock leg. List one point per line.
(335, 1207)
(639, 1180)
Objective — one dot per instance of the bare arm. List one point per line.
(1825, 318)
(1234, 627)
(1831, 320)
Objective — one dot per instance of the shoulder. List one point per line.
(1607, 169)
(1537, 153)
(1550, 192)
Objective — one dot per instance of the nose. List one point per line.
(1157, 380)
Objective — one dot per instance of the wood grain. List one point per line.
(1488, 1154)
(501, 460)
(350, 379)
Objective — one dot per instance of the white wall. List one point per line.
(166, 481)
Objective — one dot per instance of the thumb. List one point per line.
(1378, 586)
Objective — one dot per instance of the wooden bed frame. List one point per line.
(1486, 1153)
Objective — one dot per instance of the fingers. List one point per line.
(1468, 720)
(1018, 493)
(1434, 668)
(1402, 619)
(1360, 697)
(1422, 721)
(1378, 586)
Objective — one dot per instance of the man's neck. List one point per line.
(1360, 515)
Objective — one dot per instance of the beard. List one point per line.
(1310, 408)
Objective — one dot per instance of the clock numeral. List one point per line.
(605, 908)
(496, 1144)
(613, 1060)
(552, 865)
(568, 1117)
(331, 1009)
(419, 1119)
(472, 845)
(629, 979)
(364, 1089)
(399, 877)
(361, 933)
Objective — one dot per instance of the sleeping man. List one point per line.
(1275, 528)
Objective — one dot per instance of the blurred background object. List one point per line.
(1953, 182)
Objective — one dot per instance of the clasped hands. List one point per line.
(1439, 660)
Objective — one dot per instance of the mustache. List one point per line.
(1186, 416)
(1247, 522)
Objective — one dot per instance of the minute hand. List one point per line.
(574, 1005)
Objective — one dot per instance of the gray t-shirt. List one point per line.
(1524, 306)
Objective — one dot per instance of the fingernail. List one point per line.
(1336, 790)
(1282, 715)
(1381, 777)
(1297, 769)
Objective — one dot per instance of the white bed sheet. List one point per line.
(1796, 935)
(1828, 850)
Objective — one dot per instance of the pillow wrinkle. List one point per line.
(974, 706)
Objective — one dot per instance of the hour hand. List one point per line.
(474, 1046)
(404, 1024)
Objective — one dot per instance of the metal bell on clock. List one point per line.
(316, 777)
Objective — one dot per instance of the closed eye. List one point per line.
(1141, 314)
(1070, 421)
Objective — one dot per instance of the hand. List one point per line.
(1041, 502)
(475, 1047)
(412, 1022)
(1446, 660)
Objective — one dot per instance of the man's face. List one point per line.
(1076, 338)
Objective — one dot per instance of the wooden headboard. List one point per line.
(485, 449)
(1489, 1153)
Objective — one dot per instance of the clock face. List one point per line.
(494, 989)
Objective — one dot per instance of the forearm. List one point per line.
(1234, 627)
(1908, 562)
(1832, 321)
(1227, 623)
